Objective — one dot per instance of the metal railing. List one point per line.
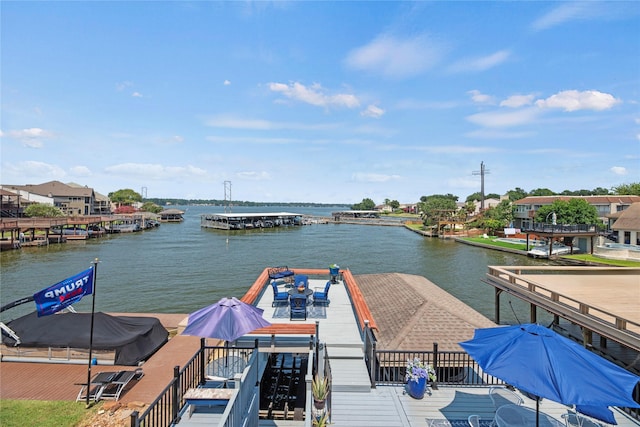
(563, 228)
(165, 409)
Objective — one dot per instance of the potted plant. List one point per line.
(417, 375)
(322, 420)
(320, 391)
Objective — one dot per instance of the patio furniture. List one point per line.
(520, 416)
(501, 396)
(474, 421)
(116, 386)
(298, 307)
(321, 296)
(281, 272)
(301, 279)
(573, 419)
(278, 297)
(96, 386)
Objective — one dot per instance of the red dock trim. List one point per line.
(360, 305)
(287, 329)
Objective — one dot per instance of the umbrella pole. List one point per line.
(537, 411)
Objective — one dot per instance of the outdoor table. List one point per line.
(307, 291)
(520, 416)
(207, 397)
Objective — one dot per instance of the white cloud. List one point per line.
(566, 12)
(496, 134)
(373, 177)
(233, 122)
(80, 171)
(120, 86)
(314, 95)
(226, 82)
(480, 98)
(516, 101)
(35, 171)
(31, 137)
(573, 100)
(373, 111)
(136, 95)
(619, 170)
(395, 57)
(457, 149)
(482, 63)
(254, 176)
(155, 171)
(504, 119)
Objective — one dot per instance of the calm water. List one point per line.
(178, 268)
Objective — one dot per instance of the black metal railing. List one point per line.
(563, 228)
(165, 409)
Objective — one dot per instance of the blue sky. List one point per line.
(320, 101)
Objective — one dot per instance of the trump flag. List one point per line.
(63, 294)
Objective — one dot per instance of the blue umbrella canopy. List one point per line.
(539, 361)
(228, 320)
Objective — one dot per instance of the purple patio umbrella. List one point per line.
(228, 320)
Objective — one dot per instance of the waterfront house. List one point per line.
(606, 205)
(70, 199)
(627, 225)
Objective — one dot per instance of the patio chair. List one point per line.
(96, 387)
(298, 307)
(501, 396)
(474, 421)
(320, 296)
(278, 297)
(113, 389)
(301, 279)
(574, 419)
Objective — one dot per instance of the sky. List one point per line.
(320, 101)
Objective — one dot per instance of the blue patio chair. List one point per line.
(278, 297)
(298, 307)
(321, 297)
(301, 279)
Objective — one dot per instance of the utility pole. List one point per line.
(482, 173)
(143, 192)
(227, 196)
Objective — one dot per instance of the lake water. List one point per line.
(178, 268)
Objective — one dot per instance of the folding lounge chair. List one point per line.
(96, 387)
(113, 389)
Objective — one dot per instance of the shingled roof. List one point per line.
(629, 219)
(413, 313)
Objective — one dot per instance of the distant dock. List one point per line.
(247, 221)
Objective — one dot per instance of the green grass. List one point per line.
(26, 413)
(490, 241)
(613, 262)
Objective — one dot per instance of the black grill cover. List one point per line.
(134, 339)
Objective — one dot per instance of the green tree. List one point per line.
(41, 209)
(432, 208)
(394, 204)
(125, 197)
(541, 192)
(151, 207)
(478, 196)
(632, 189)
(517, 194)
(574, 211)
(366, 205)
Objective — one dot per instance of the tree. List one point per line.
(125, 197)
(432, 207)
(151, 207)
(632, 189)
(366, 205)
(41, 209)
(394, 204)
(574, 211)
(541, 192)
(517, 194)
(478, 196)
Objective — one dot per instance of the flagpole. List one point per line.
(93, 308)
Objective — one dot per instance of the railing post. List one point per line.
(435, 365)
(202, 364)
(133, 419)
(176, 384)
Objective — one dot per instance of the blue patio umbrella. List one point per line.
(228, 320)
(541, 362)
